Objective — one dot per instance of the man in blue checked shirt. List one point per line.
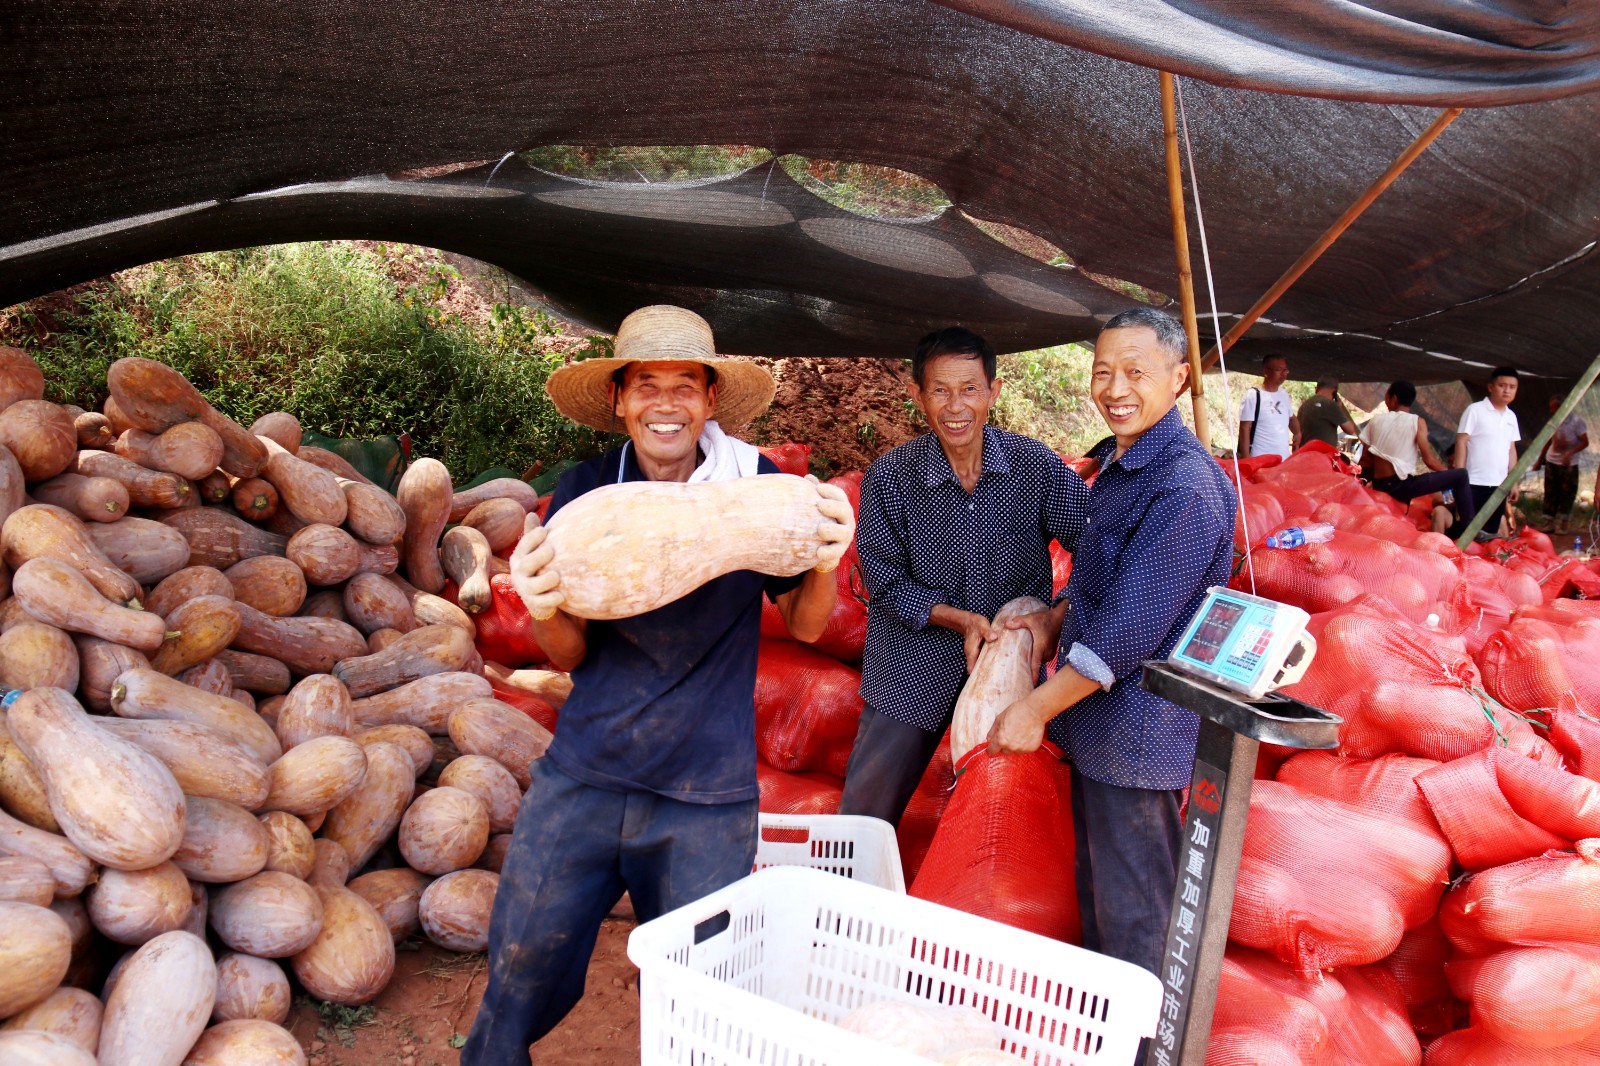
(953, 525)
(1160, 535)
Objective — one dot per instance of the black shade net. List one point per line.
(134, 132)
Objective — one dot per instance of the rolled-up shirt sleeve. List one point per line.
(1157, 575)
(882, 543)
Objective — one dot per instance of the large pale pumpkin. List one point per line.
(250, 987)
(394, 894)
(352, 958)
(370, 815)
(160, 1004)
(35, 949)
(270, 915)
(71, 1013)
(1004, 674)
(425, 703)
(150, 694)
(315, 776)
(222, 843)
(454, 910)
(246, 1042)
(114, 800)
(623, 550)
(69, 867)
(34, 1047)
(135, 906)
(205, 761)
(444, 830)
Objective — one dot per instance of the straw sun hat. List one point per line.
(660, 333)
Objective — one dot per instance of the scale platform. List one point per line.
(1270, 719)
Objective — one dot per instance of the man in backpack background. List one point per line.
(1268, 424)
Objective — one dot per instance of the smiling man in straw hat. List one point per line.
(650, 783)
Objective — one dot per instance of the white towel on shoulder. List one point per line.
(726, 457)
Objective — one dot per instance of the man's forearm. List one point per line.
(950, 617)
(1063, 691)
(563, 638)
(806, 609)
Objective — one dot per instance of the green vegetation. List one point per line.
(322, 330)
(650, 164)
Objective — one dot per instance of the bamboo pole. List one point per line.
(1180, 244)
(1529, 454)
(1332, 234)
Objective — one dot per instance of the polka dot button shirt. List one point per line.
(1160, 535)
(924, 540)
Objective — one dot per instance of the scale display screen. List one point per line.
(1241, 641)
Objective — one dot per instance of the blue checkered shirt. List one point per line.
(1160, 535)
(925, 540)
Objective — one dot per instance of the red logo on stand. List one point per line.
(1207, 796)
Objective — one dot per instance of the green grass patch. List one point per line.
(322, 331)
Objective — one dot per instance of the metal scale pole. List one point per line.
(1232, 730)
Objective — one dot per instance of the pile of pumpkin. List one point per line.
(225, 699)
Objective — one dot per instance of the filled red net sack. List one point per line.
(1385, 786)
(1545, 658)
(1323, 883)
(811, 792)
(1320, 577)
(1323, 477)
(925, 808)
(1004, 848)
(1577, 736)
(540, 710)
(504, 633)
(1418, 965)
(1543, 997)
(791, 458)
(845, 633)
(1550, 900)
(1266, 1014)
(1477, 1047)
(1401, 688)
(1483, 828)
(807, 708)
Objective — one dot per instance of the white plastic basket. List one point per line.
(850, 845)
(755, 975)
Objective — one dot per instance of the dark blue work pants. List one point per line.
(1453, 481)
(886, 765)
(1128, 841)
(574, 849)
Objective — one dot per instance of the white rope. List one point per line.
(1216, 325)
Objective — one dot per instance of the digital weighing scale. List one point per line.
(1231, 656)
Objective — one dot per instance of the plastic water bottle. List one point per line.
(1577, 546)
(1297, 536)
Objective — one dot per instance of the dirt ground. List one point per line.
(428, 1007)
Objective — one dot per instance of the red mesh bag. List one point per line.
(1259, 514)
(1418, 965)
(1245, 469)
(1401, 688)
(845, 633)
(807, 708)
(1385, 786)
(1262, 1019)
(810, 792)
(1577, 735)
(544, 506)
(1267, 1014)
(539, 710)
(1298, 847)
(925, 808)
(791, 458)
(850, 482)
(1550, 900)
(1548, 796)
(1477, 1047)
(1481, 825)
(1545, 658)
(1320, 577)
(1533, 997)
(1060, 567)
(1385, 526)
(1004, 848)
(504, 633)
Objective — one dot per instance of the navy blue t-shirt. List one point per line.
(664, 702)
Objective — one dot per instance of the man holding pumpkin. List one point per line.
(649, 785)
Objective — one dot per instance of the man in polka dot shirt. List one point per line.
(953, 525)
(1160, 534)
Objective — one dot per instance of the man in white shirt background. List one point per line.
(1268, 424)
(1486, 439)
(1560, 462)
